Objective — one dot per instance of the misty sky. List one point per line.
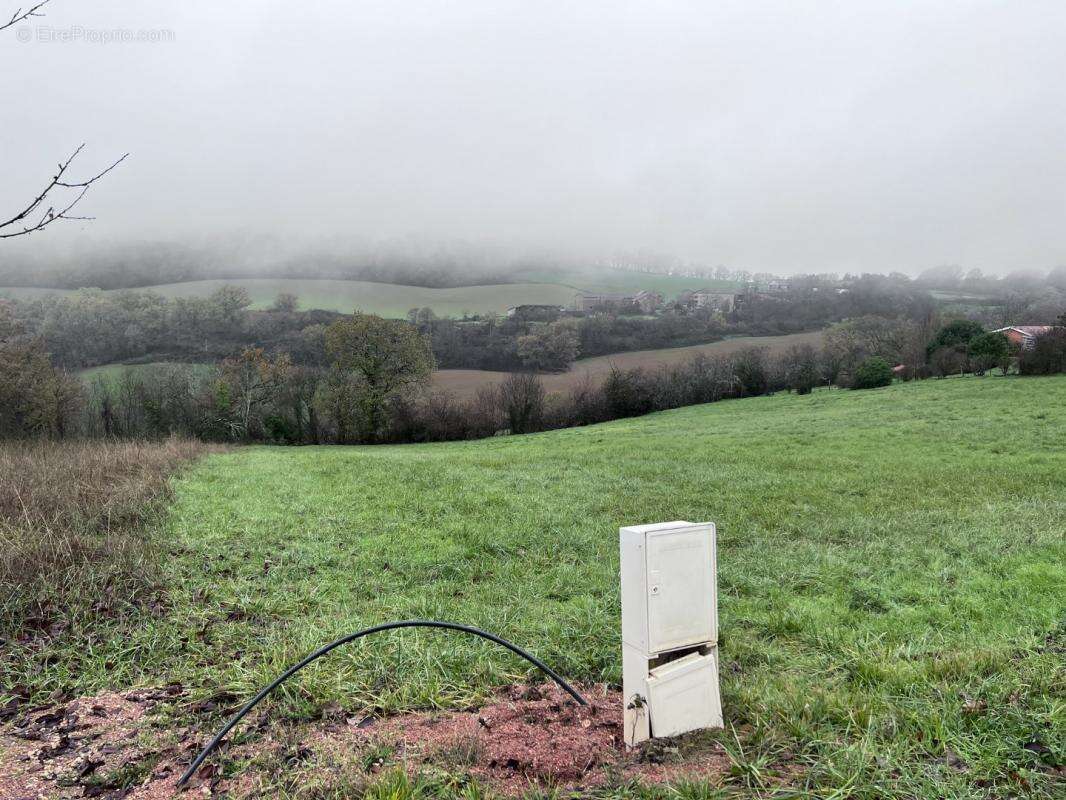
(782, 136)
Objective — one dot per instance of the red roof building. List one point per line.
(1024, 336)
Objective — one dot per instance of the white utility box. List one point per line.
(669, 629)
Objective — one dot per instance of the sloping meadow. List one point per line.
(892, 579)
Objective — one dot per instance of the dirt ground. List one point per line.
(464, 383)
(108, 747)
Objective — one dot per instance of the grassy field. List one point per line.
(465, 383)
(892, 577)
(386, 299)
(394, 300)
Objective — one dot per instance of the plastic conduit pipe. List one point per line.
(408, 623)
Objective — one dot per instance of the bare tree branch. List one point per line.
(21, 15)
(27, 221)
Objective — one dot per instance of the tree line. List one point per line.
(368, 382)
(90, 327)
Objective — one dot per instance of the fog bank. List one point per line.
(770, 136)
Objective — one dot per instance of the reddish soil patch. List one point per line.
(534, 736)
(528, 736)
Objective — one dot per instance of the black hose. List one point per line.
(408, 623)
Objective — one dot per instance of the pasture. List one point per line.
(384, 299)
(892, 581)
(395, 300)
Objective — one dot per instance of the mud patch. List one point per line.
(527, 736)
(88, 747)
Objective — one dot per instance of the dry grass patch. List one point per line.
(72, 521)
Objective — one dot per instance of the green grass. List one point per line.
(385, 299)
(393, 300)
(892, 576)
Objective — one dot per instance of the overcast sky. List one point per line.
(782, 136)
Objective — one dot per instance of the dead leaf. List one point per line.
(952, 759)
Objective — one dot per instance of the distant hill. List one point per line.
(619, 280)
(394, 300)
(386, 299)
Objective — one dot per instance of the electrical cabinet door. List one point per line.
(683, 695)
(681, 588)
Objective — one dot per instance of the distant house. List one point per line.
(778, 286)
(645, 301)
(648, 301)
(533, 312)
(705, 298)
(592, 301)
(1024, 336)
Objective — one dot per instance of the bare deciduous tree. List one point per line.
(42, 211)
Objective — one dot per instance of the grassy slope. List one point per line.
(892, 572)
(393, 300)
(386, 299)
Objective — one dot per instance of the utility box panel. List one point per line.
(669, 586)
(683, 695)
(669, 629)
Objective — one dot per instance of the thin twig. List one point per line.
(20, 15)
(50, 214)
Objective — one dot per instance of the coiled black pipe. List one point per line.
(408, 623)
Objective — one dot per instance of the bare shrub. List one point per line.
(522, 399)
(800, 369)
(72, 527)
(628, 393)
(712, 379)
(947, 361)
(752, 371)
(487, 412)
(445, 418)
(586, 403)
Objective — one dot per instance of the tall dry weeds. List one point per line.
(73, 528)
